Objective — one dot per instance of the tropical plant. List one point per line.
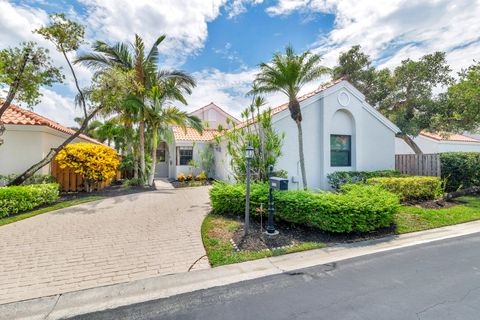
(94, 162)
(259, 133)
(288, 73)
(130, 58)
(160, 115)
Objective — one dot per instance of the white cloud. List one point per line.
(237, 7)
(184, 24)
(58, 108)
(395, 30)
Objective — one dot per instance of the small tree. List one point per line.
(258, 131)
(95, 163)
(24, 69)
(207, 160)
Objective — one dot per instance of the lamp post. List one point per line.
(249, 156)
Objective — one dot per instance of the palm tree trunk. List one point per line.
(300, 153)
(135, 162)
(154, 158)
(141, 129)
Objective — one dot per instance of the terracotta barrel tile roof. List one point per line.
(190, 134)
(445, 136)
(18, 116)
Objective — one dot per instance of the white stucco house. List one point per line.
(174, 158)
(439, 143)
(341, 132)
(28, 138)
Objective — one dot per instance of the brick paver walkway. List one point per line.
(104, 242)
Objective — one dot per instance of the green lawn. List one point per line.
(217, 232)
(412, 219)
(55, 206)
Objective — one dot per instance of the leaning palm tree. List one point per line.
(288, 73)
(128, 58)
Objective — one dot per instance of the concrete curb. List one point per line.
(108, 297)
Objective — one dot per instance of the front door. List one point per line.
(161, 169)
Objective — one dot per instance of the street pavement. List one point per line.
(438, 280)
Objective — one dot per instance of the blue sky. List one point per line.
(221, 42)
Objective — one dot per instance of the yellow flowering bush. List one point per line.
(181, 177)
(94, 162)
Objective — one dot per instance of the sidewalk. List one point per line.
(113, 296)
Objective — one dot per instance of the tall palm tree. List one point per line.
(129, 58)
(160, 116)
(288, 73)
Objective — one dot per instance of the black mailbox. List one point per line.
(277, 183)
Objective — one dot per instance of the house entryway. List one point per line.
(161, 168)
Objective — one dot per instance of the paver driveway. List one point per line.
(104, 242)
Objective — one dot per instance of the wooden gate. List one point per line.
(418, 165)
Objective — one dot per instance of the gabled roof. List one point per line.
(220, 109)
(446, 136)
(190, 134)
(15, 115)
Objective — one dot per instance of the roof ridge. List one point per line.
(33, 118)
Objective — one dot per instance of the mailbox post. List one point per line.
(276, 183)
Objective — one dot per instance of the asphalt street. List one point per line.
(439, 280)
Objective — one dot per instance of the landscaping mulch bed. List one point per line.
(434, 204)
(193, 183)
(290, 235)
(113, 190)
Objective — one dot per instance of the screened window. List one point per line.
(184, 155)
(340, 150)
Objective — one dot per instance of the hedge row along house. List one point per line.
(28, 138)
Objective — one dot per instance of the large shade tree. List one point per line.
(405, 95)
(23, 70)
(288, 72)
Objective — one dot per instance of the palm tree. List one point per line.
(288, 73)
(160, 117)
(91, 129)
(129, 58)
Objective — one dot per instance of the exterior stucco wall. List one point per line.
(175, 169)
(212, 116)
(24, 145)
(338, 110)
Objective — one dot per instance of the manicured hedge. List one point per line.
(340, 178)
(356, 208)
(35, 179)
(414, 188)
(460, 169)
(22, 198)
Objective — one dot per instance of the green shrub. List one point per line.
(339, 178)
(460, 169)
(22, 198)
(415, 188)
(35, 179)
(357, 208)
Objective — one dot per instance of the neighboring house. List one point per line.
(438, 143)
(341, 132)
(175, 158)
(212, 115)
(28, 138)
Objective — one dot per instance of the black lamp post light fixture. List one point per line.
(249, 153)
